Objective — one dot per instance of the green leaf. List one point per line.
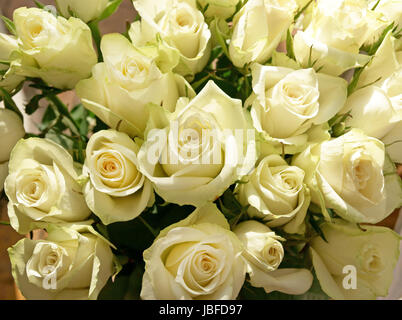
(355, 80)
(299, 13)
(33, 104)
(219, 36)
(372, 49)
(10, 104)
(135, 283)
(39, 4)
(316, 226)
(110, 9)
(289, 46)
(9, 25)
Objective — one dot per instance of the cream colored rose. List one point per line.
(258, 29)
(219, 8)
(11, 130)
(370, 256)
(57, 50)
(335, 34)
(116, 190)
(73, 263)
(200, 150)
(352, 175)
(376, 108)
(197, 258)
(8, 79)
(286, 103)
(42, 186)
(122, 87)
(264, 253)
(180, 25)
(85, 10)
(390, 11)
(276, 193)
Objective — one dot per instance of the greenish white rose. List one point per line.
(335, 34)
(223, 9)
(197, 152)
(42, 186)
(11, 130)
(376, 108)
(73, 263)
(276, 193)
(264, 253)
(372, 252)
(197, 258)
(124, 84)
(353, 176)
(58, 50)
(116, 190)
(287, 103)
(87, 10)
(181, 27)
(9, 80)
(258, 28)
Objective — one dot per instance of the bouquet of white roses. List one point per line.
(221, 149)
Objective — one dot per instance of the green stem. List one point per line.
(63, 110)
(146, 224)
(4, 223)
(96, 35)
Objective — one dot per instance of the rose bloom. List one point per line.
(258, 28)
(122, 87)
(287, 103)
(197, 152)
(276, 193)
(116, 189)
(335, 34)
(73, 263)
(9, 79)
(264, 253)
(11, 130)
(373, 252)
(181, 27)
(376, 106)
(198, 258)
(85, 10)
(353, 176)
(42, 186)
(58, 50)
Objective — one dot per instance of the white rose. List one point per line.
(391, 11)
(205, 147)
(264, 253)
(42, 186)
(258, 29)
(373, 253)
(8, 79)
(196, 258)
(85, 10)
(73, 262)
(57, 50)
(121, 87)
(117, 190)
(286, 103)
(180, 25)
(219, 8)
(276, 193)
(335, 34)
(352, 176)
(377, 109)
(11, 130)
